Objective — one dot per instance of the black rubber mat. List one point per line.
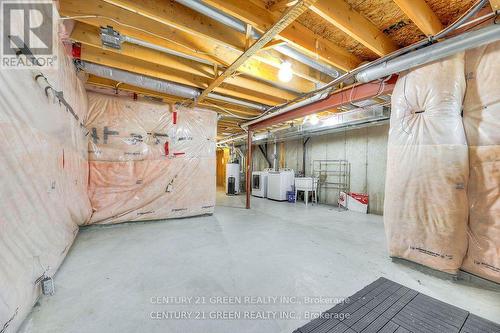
(388, 307)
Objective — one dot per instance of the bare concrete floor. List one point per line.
(114, 277)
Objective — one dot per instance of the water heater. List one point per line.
(232, 178)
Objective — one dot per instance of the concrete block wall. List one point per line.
(364, 148)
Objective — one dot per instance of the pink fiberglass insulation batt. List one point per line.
(44, 170)
(149, 161)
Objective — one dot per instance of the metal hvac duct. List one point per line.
(200, 7)
(294, 54)
(466, 41)
(159, 48)
(167, 87)
(146, 82)
(217, 15)
(237, 101)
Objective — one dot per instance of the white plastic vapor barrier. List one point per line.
(43, 187)
(425, 212)
(482, 127)
(149, 161)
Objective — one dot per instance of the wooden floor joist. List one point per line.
(295, 34)
(143, 28)
(495, 4)
(287, 18)
(422, 15)
(108, 58)
(173, 14)
(209, 103)
(340, 14)
(88, 35)
(176, 41)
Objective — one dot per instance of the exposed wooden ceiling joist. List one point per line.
(295, 34)
(422, 15)
(282, 4)
(262, 66)
(272, 44)
(288, 17)
(340, 14)
(111, 59)
(184, 19)
(275, 59)
(88, 35)
(111, 84)
(134, 25)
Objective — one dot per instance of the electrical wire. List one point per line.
(486, 19)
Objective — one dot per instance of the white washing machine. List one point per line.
(278, 183)
(259, 183)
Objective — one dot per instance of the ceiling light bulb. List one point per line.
(285, 73)
(313, 119)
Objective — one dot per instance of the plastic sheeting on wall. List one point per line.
(43, 188)
(482, 127)
(149, 162)
(425, 210)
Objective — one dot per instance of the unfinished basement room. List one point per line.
(250, 166)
